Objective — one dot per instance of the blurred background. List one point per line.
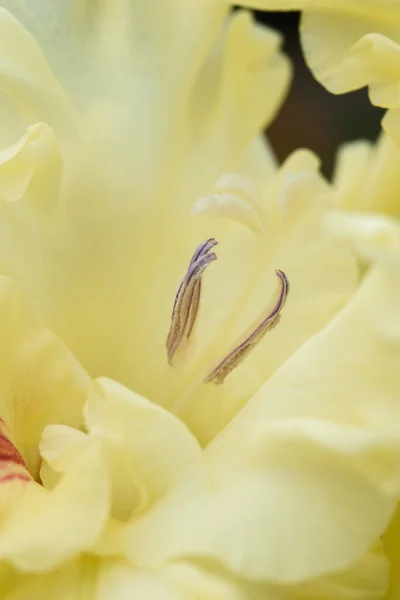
(312, 117)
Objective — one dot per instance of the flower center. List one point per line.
(185, 311)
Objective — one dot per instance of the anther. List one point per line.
(244, 347)
(187, 299)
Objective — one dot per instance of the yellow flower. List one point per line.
(210, 446)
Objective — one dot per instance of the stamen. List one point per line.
(187, 299)
(243, 348)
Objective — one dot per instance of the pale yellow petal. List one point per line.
(177, 581)
(376, 236)
(160, 447)
(259, 162)
(26, 78)
(349, 50)
(40, 382)
(247, 517)
(67, 520)
(367, 176)
(34, 163)
(243, 81)
(366, 579)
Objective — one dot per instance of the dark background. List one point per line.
(312, 117)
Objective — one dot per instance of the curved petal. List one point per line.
(348, 50)
(162, 449)
(147, 451)
(246, 516)
(40, 380)
(67, 520)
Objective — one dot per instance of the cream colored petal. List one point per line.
(34, 163)
(366, 579)
(259, 162)
(177, 581)
(27, 80)
(376, 236)
(61, 445)
(160, 447)
(45, 528)
(355, 58)
(244, 82)
(247, 515)
(367, 176)
(146, 450)
(40, 381)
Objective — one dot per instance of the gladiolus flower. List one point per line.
(199, 391)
